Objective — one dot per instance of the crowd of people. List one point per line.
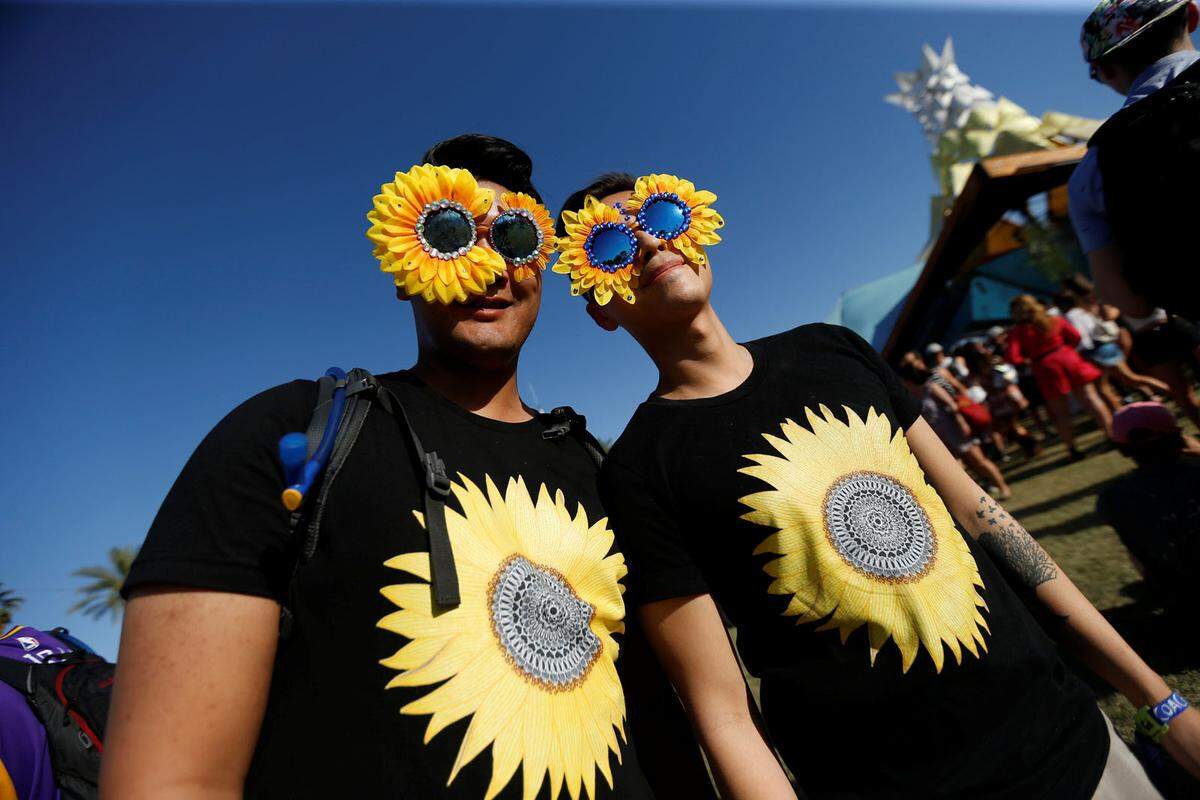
(1013, 384)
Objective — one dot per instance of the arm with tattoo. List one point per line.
(1086, 631)
(1007, 542)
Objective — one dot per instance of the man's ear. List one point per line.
(599, 317)
(1193, 17)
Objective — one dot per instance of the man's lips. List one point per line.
(657, 268)
(487, 302)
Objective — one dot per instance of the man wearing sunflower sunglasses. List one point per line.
(513, 690)
(876, 589)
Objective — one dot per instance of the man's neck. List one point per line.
(490, 393)
(698, 360)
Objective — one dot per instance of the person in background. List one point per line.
(952, 369)
(1099, 337)
(1037, 410)
(1132, 197)
(1048, 343)
(1168, 348)
(1156, 508)
(1004, 399)
(941, 410)
(26, 772)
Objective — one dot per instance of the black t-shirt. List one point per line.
(795, 501)
(374, 694)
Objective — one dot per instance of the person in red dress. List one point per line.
(1048, 343)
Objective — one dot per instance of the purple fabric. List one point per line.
(23, 747)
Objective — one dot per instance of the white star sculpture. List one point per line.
(938, 93)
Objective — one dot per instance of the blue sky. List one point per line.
(185, 189)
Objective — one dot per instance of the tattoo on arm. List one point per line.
(1006, 541)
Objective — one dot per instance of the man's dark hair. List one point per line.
(606, 184)
(1155, 42)
(488, 158)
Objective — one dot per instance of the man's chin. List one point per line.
(679, 289)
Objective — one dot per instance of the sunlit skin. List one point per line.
(469, 351)
(673, 320)
(669, 290)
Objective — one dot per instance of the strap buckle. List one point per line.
(436, 479)
(562, 420)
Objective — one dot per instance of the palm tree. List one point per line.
(9, 603)
(102, 597)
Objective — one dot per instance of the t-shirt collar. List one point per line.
(1158, 74)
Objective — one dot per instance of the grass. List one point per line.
(1056, 502)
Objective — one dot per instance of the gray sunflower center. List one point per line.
(541, 624)
(878, 527)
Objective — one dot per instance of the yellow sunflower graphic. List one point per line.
(675, 211)
(864, 540)
(523, 233)
(599, 252)
(425, 227)
(529, 655)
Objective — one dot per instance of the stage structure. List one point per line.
(998, 225)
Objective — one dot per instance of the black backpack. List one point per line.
(69, 695)
(312, 461)
(1149, 157)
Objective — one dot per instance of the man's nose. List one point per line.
(648, 244)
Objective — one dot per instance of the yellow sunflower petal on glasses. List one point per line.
(704, 220)
(863, 540)
(541, 218)
(401, 251)
(574, 261)
(556, 719)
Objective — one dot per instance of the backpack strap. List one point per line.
(443, 575)
(565, 421)
(358, 386)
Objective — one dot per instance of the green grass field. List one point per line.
(1056, 502)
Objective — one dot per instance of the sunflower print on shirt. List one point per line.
(529, 654)
(862, 539)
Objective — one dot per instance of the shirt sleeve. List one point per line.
(906, 407)
(1088, 212)
(661, 565)
(223, 526)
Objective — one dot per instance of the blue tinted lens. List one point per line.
(611, 248)
(664, 218)
(514, 236)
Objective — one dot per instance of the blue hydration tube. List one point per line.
(300, 470)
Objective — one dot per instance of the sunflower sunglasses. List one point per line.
(429, 226)
(600, 249)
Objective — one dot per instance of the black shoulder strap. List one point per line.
(565, 421)
(362, 389)
(442, 572)
(1182, 86)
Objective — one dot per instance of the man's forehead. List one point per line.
(616, 198)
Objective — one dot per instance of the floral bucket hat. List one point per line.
(1115, 23)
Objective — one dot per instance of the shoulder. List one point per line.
(814, 335)
(291, 402)
(1086, 188)
(634, 448)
